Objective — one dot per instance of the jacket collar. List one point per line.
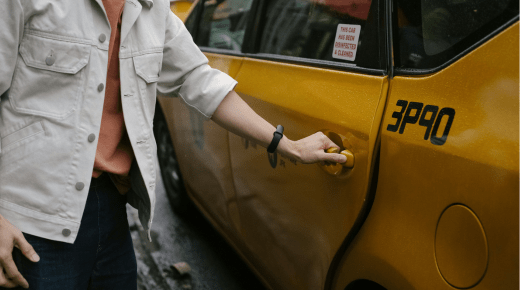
(148, 3)
(131, 11)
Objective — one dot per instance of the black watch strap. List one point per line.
(277, 136)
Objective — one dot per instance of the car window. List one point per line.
(333, 30)
(191, 21)
(223, 24)
(433, 31)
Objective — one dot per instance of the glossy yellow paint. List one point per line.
(199, 147)
(477, 167)
(202, 148)
(287, 222)
(461, 249)
(181, 8)
(294, 217)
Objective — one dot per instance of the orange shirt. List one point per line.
(114, 152)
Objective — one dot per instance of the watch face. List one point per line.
(279, 129)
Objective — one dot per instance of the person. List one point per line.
(78, 83)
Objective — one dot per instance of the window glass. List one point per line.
(191, 21)
(433, 31)
(332, 30)
(223, 24)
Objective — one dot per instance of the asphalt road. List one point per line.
(214, 265)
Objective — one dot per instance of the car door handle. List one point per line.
(350, 156)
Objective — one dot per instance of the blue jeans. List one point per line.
(102, 257)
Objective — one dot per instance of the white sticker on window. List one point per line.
(346, 41)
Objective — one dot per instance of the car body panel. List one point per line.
(288, 220)
(199, 146)
(181, 8)
(294, 217)
(477, 168)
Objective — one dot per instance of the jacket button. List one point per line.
(102, 37)
(65, 232)
(50, 59)
(91, 138)
(100, 87)
(80, 185)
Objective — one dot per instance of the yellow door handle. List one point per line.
(339, 169)
(350, 156)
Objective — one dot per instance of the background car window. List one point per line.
(223, 24)
(334, 30)
(191, 21)
(433, 31)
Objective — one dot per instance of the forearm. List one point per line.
(236, 116)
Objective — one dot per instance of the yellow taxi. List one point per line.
(423, 95)
(181, 8)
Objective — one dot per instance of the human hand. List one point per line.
(311, 149)
(11, 237)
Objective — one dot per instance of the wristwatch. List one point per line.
(277, 136)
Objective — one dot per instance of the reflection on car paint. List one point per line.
(197, 128)
(273, 159)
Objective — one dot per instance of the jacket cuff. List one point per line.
(205, 88)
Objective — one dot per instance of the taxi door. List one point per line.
(447, 196)
(294, 217)
(201, 145)
(451, 167)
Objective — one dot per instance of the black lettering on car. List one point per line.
(398, 116)
(409, 119)
(432, 123)
(450, 112)
(428, 123)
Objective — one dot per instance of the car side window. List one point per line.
(332, 30)
(431, 32)
(191, 21)
(223, 24)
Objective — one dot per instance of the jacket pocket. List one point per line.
(47, 78)
(19, 142)
(148, 68)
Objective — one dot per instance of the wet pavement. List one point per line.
(214, 265)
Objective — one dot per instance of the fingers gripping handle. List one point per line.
(350, 156)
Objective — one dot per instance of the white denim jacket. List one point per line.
(53, 67)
